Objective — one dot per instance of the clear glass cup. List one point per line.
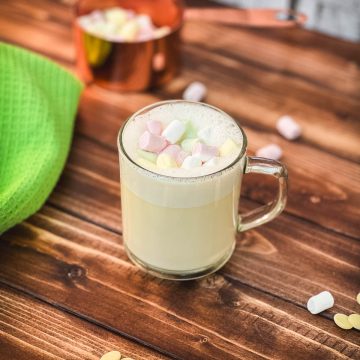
(184, 228)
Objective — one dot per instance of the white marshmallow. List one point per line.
(288, 127)
(212, 162)
(191, 162)
(205, 134)
(271, 151)
(174, 131)
(320, 302)
(196, 91)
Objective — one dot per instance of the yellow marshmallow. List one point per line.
(146, 163)
(129, 30)
(165, 161)
(147, 155)
(228, 147)
(358, 298)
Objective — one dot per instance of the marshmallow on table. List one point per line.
(154, 126)
(228, 147)
(196, 91)
(188, 144)
(271, 151)
(165, 161)
(320, 302)
(205, 152)
(151, 142)
(288, 127)
(191, 162)
(174, 131)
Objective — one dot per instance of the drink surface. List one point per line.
(202, 123)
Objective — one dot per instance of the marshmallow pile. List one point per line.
(122, 25)
(180, 145)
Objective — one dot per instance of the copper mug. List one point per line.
(140, 65)
(131, 66)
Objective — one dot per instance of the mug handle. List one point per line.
(267, 212)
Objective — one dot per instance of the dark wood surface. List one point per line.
(67, 289)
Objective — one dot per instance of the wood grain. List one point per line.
(192, 320)
(70, 255)
(32, 329)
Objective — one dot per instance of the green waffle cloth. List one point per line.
(38, 103)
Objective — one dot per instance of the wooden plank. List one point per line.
(264, 80)
(32, 329)
(91, 181)
(65, 260)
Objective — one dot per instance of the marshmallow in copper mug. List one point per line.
(129, 65)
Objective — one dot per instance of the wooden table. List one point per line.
(67, 289)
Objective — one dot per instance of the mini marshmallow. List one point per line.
(196, 91)
(174, 131)
(181, 156)
(205, 134)
(116, 16)
(205, 152)
(189, 144)
(129, 30)
(271, 151)
(149, 156)
(320, 302)
(212, 162)
(161, 32)
(190, 132)
(151, 142)
(172, 150)
(228, 147)
(165, 161)
(288, 127)
(191, 162)
(154, 126)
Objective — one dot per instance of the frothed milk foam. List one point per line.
(181, 220)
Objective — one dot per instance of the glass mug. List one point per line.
(184, 228)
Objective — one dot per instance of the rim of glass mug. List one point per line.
(178, 178)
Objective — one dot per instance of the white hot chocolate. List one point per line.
(177, 219)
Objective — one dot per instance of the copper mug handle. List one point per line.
(247, 17)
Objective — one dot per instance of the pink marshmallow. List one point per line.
(172, 150)
(151, 142)
(154, 127)
(181, 157)
(205, 152)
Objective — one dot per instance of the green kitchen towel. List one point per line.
(38, 102)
